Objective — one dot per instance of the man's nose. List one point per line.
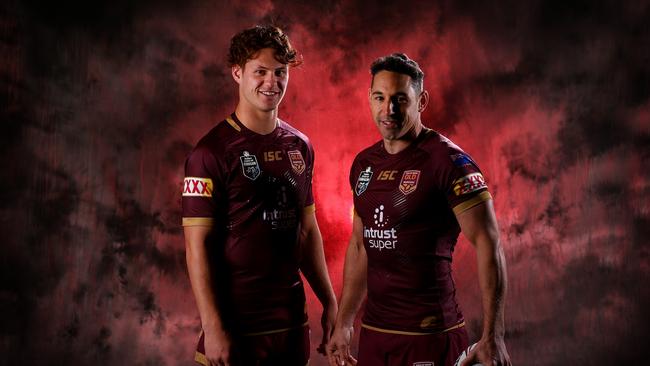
(392, 107)
(270, 78)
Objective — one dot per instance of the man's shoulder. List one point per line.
(219, 137)
(437, 144)
(288, 129)
(370, 152)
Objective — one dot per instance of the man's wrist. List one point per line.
(344, 323)
(212, 328)
(492, 337)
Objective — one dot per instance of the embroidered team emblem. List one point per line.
(409, 182)
(197, 187)
(363, 181)
(297, 162)
(249, 166)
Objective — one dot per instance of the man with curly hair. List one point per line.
(249, 222)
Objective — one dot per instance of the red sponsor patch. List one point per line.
(200, 187)
(297, 162)
(469, 183)
(409, 182)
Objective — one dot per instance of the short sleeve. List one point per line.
(465, 186)
(309, 197)
(200, 188)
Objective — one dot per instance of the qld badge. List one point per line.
(297, 162)
(409, 181)
(363, 181)
(249, 166)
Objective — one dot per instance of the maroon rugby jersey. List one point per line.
(406, 202)
(253, 189)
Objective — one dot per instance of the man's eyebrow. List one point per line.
(399, 94)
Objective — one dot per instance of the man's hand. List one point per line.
(217, 348)
(488, 352)
(338, 348)
(327, 321)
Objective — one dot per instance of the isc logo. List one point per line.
(387, 175)
(272, 155)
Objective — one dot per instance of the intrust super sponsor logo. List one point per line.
(469, 183)
(380, 238)
(197, 187)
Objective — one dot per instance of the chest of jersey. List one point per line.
(403, 210)
(268, 179)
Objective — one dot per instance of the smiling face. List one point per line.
(262, 81)
(395, 105)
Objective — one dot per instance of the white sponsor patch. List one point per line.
(198, 187)
(469, 183)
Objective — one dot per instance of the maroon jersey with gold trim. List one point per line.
(253, 189)
(406, 202)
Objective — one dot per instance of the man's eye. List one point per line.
(379, 99)
(260, 72)
(280, 72)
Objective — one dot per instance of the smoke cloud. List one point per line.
(101, 103)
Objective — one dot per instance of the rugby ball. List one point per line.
(464, 354)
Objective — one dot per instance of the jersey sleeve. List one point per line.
(354, 173)
(464, 184)
(309, 198)
(201, 188)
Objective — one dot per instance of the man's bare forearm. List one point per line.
(493, 283)
(201, 279)
(354, 278)
(313, 263)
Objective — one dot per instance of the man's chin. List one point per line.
(268, 108)
(389, 134)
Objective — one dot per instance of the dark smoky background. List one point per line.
(101, 102)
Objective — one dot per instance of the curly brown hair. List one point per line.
(245, 45)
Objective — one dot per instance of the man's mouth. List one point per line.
(389, 123)
(269, 93)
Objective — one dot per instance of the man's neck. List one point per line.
(260, 122)
(397, 145)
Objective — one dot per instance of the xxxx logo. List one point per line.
(199, 187)
(469, 183)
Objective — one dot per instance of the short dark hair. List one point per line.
(402, 64)
(245, 44)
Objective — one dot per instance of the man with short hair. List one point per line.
(249, 221)
(414, 191)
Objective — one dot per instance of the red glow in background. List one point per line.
(102, 102)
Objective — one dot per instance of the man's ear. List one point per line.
(423, 101)
(236, 73)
